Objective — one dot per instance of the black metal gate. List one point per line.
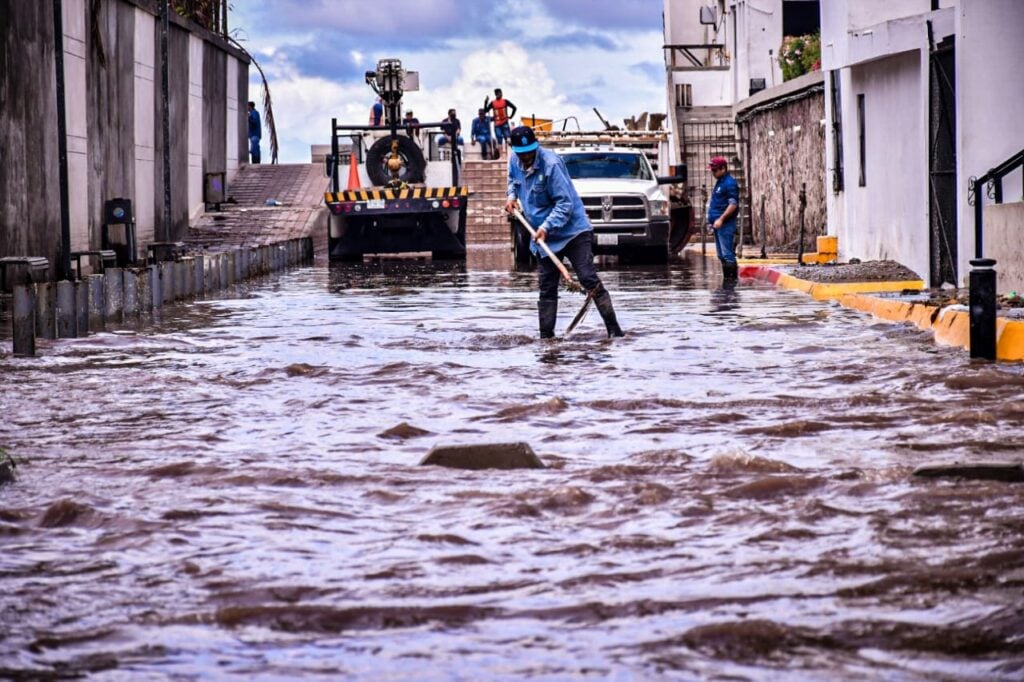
(942, 164)
(702, 141)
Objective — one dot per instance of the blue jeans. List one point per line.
(580, 253)
(725, 242)
(502, 133)
(485, 145)
(254, 148)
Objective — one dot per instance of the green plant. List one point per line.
(799, 55)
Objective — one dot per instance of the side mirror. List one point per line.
(678, 177)
(329, 165)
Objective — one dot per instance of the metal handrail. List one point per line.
(982, 303)
(692, 61)
(994, 176)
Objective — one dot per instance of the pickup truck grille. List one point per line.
(615, 208)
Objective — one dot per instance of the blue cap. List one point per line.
(523, 140)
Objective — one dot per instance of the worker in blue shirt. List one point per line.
(723, 209)
(255, 133)
(481, 132)
(539, 181)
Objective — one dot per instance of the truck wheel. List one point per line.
(413, 163)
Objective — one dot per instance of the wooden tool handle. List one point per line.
(533, 233)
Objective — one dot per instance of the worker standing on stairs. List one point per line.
(503, 110)
(723, 208)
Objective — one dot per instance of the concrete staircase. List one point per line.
(296, 192)
(486, 221)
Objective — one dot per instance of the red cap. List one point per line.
(718, 162)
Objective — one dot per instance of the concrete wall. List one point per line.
(1004, 241)
(787, 150)
(114, 108)
(145, 126)
(864, 13)
(242, 119)
(110, 101)
(990, 102)
(888, 217)
(77, 121)
(178, 106)
(29, 197)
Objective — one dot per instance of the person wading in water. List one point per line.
(538, 179)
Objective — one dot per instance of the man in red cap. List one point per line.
(722, 211)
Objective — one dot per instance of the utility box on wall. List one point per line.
(214, 189)
(119, 230)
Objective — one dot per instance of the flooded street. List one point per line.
(234, 490)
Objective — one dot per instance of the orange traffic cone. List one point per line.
(353, 173)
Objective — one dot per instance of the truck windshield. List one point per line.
(607, 165)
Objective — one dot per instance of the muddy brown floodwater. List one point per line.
(233, 490)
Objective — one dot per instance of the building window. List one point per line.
(863, 146)
(837, 132)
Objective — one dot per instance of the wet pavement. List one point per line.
(233, 490)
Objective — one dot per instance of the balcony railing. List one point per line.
(706, 57)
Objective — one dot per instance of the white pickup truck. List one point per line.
(626, 202)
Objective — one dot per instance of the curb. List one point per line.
(949, 325)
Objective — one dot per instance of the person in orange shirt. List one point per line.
(503, 110)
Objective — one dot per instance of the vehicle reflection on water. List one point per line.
(234, 489)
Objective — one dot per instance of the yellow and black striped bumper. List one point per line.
(395, 194)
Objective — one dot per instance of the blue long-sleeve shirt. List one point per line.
(549, 199)
(255, 129)
(726, 192)
(481, 128)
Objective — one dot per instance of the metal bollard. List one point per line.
(131, 293)
(46, 310)
(97, 320)
(156, 286)
(225, 270)
(213, 272)
(144, 276)
(199, 276)
(82, 306)
(113, 294)
(67, 318)
(24, 320)
(167, 281)
(983, 308)
(180, 281)
(217, 270)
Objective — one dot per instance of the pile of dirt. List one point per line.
(856, 271)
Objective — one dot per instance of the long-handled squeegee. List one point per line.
(569, 283)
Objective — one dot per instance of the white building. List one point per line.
(913, 85)
(718, 50)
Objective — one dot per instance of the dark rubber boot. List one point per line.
(547, 312)
(603, 301)
(730, 272)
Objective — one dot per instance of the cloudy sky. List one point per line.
(552, 58)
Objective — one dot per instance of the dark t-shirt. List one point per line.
(451, 126)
